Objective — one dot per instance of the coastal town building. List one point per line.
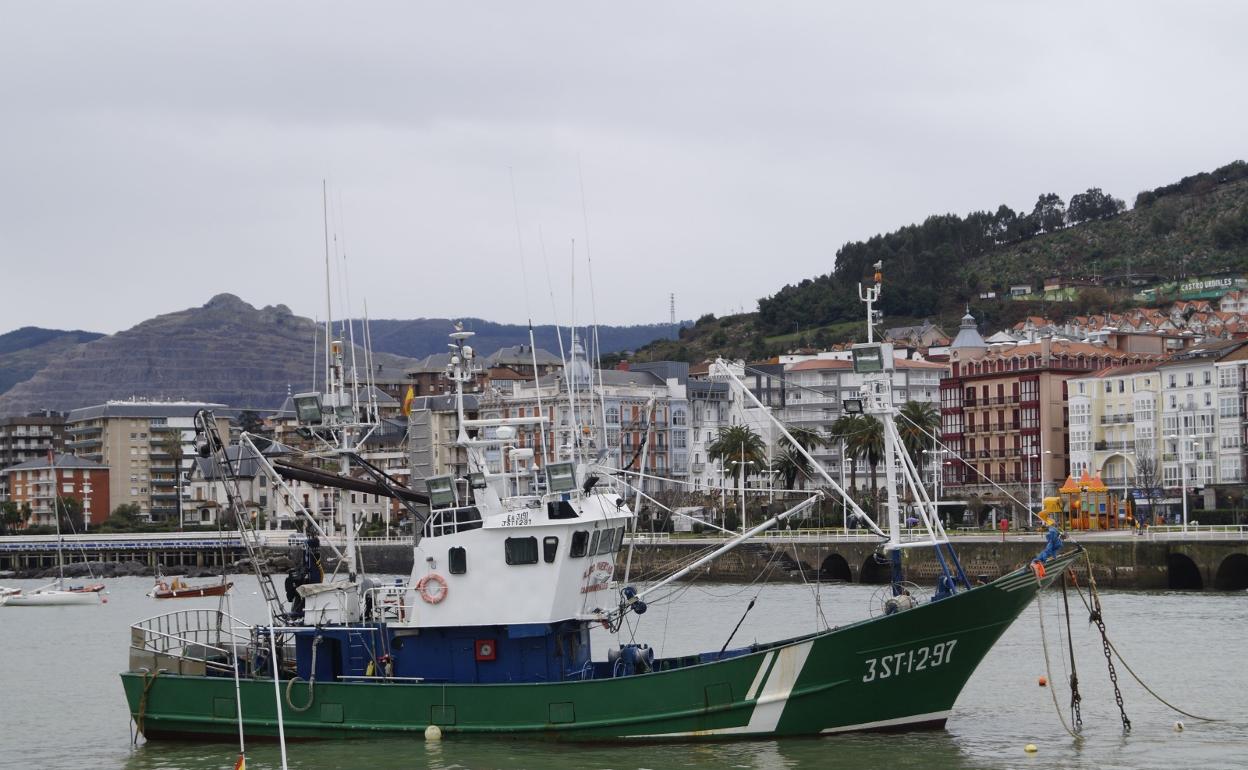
(273, 506)
(433, 427)
(818, 387)
(27, 438)
(512, 363)
(45, 486)
(1115, 426)
(611, 418)
(147, 446)
(1004, 409)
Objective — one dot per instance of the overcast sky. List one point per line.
(154, 154)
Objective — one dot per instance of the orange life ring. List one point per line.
(431, 597)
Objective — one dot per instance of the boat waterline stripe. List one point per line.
(761, 676)
(916, 718)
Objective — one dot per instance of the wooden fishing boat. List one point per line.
(176, 589)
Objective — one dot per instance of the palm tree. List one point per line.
(919, 420)
(864, 440)
(171, 445)
(806, 438)
(737, 443)
(846, 426)
(789, 464)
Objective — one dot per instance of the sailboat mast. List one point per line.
(56, 516)
(329, 315)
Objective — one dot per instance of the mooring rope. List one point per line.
(1127, 666)
(1048, 666)
(147, 686)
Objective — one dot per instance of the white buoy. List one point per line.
(433, 733)
(1178, 727)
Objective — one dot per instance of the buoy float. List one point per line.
(433, 733)
(1178, 727)
(1043, 681)
(1030, 748)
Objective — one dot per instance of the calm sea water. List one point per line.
(61, 703)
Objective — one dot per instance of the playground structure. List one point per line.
(1087, 504)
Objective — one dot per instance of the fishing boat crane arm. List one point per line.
(723, 549)
(276, 477)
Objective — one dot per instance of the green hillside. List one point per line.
(1198, 225)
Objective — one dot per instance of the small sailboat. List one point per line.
(55, 594)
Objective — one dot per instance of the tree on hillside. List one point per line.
(1092, 205)
(1049, 213)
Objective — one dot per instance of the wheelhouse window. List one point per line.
(521, 550)
(607, 543)
(580, 542)
(619, 539)
(457, 561)
(550, 548)
(593, 542)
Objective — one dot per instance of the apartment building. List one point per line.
(604, 411)
(818, 387)
(148, 446)
(274, 506)
(28, 438)
(44, 486)
(1201, 416)
(1004, 411)
(1115, 425)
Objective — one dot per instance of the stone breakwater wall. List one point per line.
(1132, 563)
(1128, 563)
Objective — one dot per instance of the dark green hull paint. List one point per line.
(808, 685)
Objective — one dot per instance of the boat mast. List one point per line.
(56, 516)
(878, 389)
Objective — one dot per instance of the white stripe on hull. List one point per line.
(898, 722)
(771, 699)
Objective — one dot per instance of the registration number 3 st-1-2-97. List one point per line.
(909, 661)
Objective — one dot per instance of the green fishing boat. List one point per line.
(491, 633)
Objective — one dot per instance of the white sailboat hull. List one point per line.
(50, 599)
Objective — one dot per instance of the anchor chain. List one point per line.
(1076, 700)
(1095, 616)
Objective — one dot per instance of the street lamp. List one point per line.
(1180, 443)
(1031, 475)
(936, 466)
(741, 475)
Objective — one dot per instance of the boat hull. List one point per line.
(193, 592)
(896, 672)
(51, 599)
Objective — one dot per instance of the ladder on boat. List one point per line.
(227, 471)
